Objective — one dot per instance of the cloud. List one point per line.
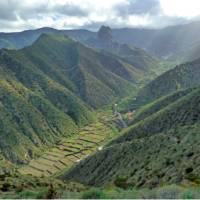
(138, 7)
(48, 9)
(7, 10)
(16, 15)
(70, 10)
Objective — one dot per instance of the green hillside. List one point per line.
(159, 104)
(49, 89)
(165, 158)
(183, 111)
(82, 69)
(181, 77)
(161, 148)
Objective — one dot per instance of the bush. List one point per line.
(118, 193)
(193, 178)
(33, 194)
(191, 193)
(169, 192)
(94, 193)
(121, 182)
(51, 194)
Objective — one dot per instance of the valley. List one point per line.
(111, 113)
(70, 151)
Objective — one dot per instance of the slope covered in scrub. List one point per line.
(161, 148)
(183, 111)
(82, 69)
(49, 89)
(158, 104)
(181, 77)
(29, 120)
(165, 158)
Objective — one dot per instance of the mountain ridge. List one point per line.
(152, 40)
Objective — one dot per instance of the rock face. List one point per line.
(105, 33)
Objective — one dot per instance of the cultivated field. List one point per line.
(69, 151)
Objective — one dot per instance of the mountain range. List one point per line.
(50, 88)
(169, 42)
(61, 93)
(161, 144)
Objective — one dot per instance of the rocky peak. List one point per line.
(105, 33)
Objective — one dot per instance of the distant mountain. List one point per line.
(102, 40)
(190, 53)
(137, 57)
(159, 148)
(50, 88)
(171, 42)
(164, 42)
(18, 40)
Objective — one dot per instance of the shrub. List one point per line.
(33, 194)
(169, 192)
(191, 193)
(51, 194)
(121, 182)
(123, 194)
(5, 187)
(94, 193)
(193, 178)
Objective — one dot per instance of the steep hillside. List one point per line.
(162, 148)
(35, 110)
(97, 78)
(137, 57)
(183, 111)
(162, 159)
(158, 104)
(50, 88)
(181, 77)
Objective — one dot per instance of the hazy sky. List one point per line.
(16, 15)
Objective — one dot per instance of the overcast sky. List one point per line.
(17, 15)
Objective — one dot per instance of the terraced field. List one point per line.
(69, 151)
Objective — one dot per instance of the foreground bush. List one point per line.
(94, 193)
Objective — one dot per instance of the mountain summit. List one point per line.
(105, 33)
